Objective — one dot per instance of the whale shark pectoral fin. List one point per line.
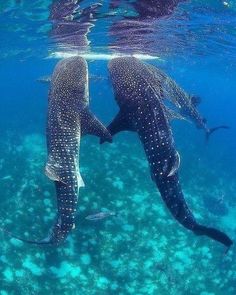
(53, 170)
(176, 165)
(120, 123)
(91, 125)
(50, 173)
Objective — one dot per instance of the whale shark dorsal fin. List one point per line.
(91, 125)
(176, 165)
(120, 123)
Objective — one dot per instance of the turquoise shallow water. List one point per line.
(141, 250)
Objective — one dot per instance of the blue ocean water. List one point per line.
(141, 250)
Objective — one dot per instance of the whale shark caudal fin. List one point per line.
(214, 234)
(119, 123)
(91, 125)
(11, 235)
(211, 130)
(57, 234)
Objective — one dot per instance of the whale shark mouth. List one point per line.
(101, 56)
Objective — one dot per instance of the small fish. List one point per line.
(45, 79)
(100, 215)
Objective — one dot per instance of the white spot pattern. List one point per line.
(143, 106)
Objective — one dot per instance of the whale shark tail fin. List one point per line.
(214, 234)
(211, 130)
(57, 234)
(11, 235)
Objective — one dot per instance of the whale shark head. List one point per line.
(69, 85)
(128, 79)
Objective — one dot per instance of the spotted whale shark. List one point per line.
(141, 112)
(68, 119)
(183, 103)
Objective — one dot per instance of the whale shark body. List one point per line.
(142, 111)
(183, 104)
(69, 118)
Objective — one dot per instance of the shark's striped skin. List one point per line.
(68, 119)
(142, 111)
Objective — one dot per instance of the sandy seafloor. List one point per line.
(141, 250)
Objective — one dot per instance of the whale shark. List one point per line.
(178, 103)
(142, 111)
(68, 119)
(182, 103)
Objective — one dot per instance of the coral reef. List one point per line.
(141, 250)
